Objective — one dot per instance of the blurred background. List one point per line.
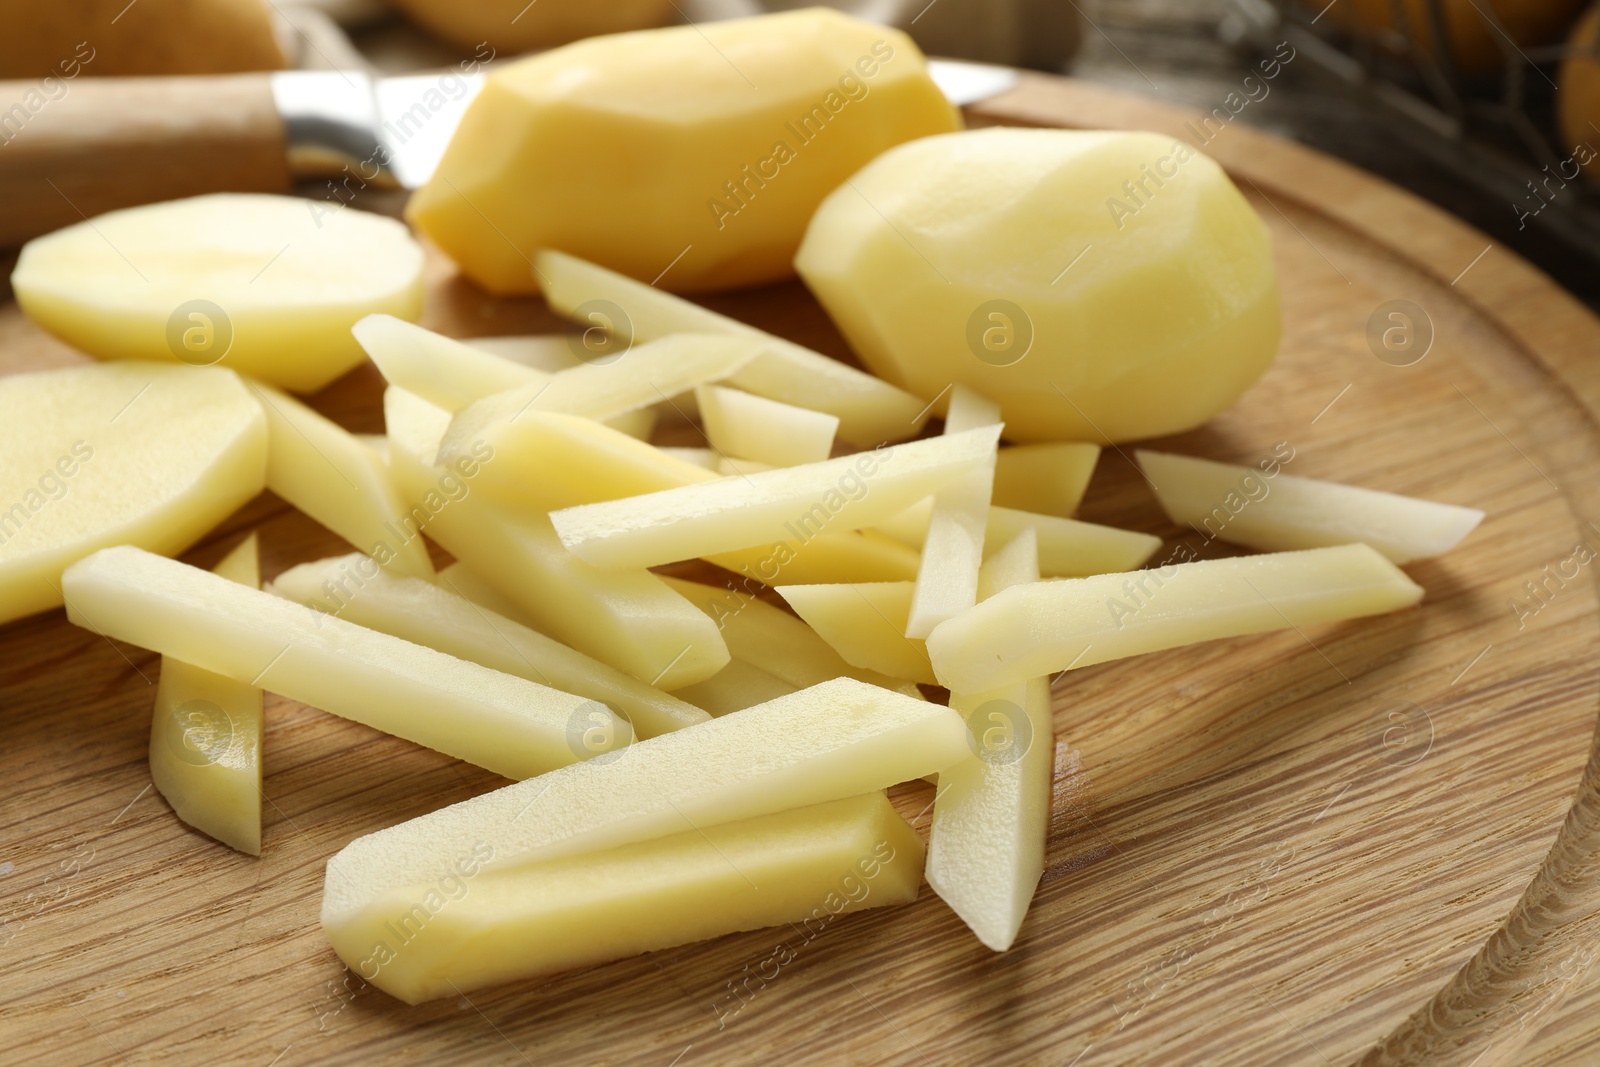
(1488, 108)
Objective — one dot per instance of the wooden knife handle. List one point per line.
(105, 143)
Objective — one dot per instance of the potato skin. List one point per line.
(66, 38)
(513, 26)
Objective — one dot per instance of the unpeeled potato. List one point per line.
(1578, 102)
(65, 38)
(510, 26)
(1475, 45)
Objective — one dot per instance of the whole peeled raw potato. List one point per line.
(511, 26)
(66, 38)
(1476, 45)
(691, 156)
(1578, 102)
(1098, 286)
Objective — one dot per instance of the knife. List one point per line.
(75, 149)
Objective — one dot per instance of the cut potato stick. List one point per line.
(781, 869)
(625, 617)
(770, 507)
(1034, 630)
(700, 457)
(776, 642)
(836, 740)
(323, 470)
(846, 556)
(735, 687)
(751, 427)
(447, 373)
(548, 352)
(1068, 548)
(728, 466)
(1046, 479)
(506, 724)
(870, 410)
(638, 378)
(866, 624)
(991, 815)
(150, 454)
(952, 548)
(432, 615)
(205, 737)
(1282, 512)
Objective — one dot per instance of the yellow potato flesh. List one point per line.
(625, 617)
(656, 154)
(792, 869)
(869, 409)
(1034, 630)
(547, 352)
(952, 548)
(205, 737)
(281, 279)
(735, 687)
(1068, 548)
(836, 740)
(866, 624)
(846, 556)
(991, 815)
(506, 724)
(1046, 479)
(771, 639)
(957, 259)
(770, 507)
(145, 454)
(434, 615)
(752, 427)
(1280, 512)
(322, 469)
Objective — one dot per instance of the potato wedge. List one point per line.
(268, 286)
(148, 454)
(1280, 512)
(793, 869)
(870, 410)
(865, 624)
(440, 618)
(506, 724)
(1033, 630)
(750, 427)
(205, 737)
(777, 506)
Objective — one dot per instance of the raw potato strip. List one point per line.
(638, 378)
(952, 549)
(627, 618)
(1068, 548)
(775, 641)
(727, 466)
(547, 460)
(781, 870)
(835, 740)
(506, 724)
(1047, 479)
(735, 687)
(432, 615)
(1035, 630)
(870, 410)
(323, 470)
(770, 432)
(770, 507)
(1217, 500)
(548, 352)
(991, 815)
(866, 625)
(205, 737)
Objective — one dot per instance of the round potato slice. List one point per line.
(148, 454)
(266, 285)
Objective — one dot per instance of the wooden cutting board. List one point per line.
(1266, 850)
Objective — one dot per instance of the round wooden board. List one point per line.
(1266, 850)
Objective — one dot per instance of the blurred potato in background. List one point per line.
(1474, 44)
(65, 38)
(512, 26)
(1578, 102)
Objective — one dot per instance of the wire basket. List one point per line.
(1496, 131)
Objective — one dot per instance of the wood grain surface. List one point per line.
(1267, 850)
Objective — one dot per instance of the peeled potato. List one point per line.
(145, 454)
(690, 156)
(65, 38)
(266, 285)
(1019, 263)
(519, 26)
